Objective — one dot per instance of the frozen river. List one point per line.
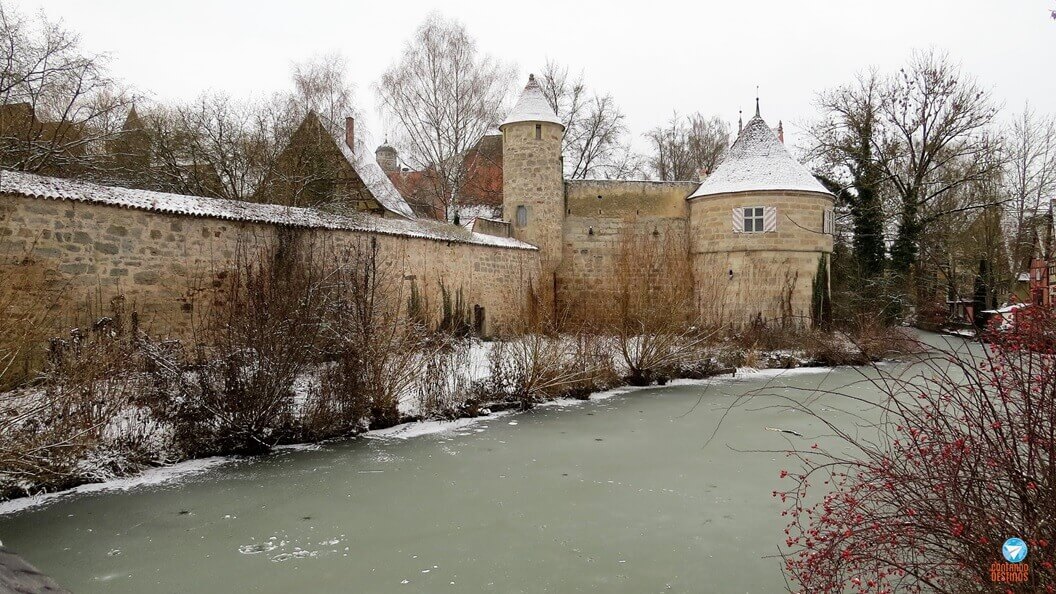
(622, 494)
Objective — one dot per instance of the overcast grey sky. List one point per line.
(653, 56)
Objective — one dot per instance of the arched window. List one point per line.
(522, 215)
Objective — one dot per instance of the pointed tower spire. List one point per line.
(740, 121)
(757, 101)
(757, 161)
(532, 106)
(781, 131)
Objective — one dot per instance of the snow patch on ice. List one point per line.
(419, 428)
(154, 476)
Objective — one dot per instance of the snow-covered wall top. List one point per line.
(532, 106)
(37, 186)
(758, 161)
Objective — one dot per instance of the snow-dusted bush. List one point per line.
(249, 351)
(81, 419)
(446, 383)
(377, 346)
(534, 367)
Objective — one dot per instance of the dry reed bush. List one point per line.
(446, 384)
(656, 332)
(878, 341)
(591, 357)
(549, 356)
(856, 342)
(380, 349)
(249, 351)
(859, 343)
(532, 368)
(337, 404)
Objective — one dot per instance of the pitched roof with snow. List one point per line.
(37, 186)
(758, 161)
(378, 183)
(532, 106)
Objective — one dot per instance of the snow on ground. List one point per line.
(154, 476)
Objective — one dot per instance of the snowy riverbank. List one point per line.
(183, 470)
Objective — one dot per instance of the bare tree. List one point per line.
(1030, 183)
(58, 102)
(688, 146)
(442, 96)
(594, 143)
(213, 146)
(842, 143)
(220, 146)
(935, 139)
(321, 85)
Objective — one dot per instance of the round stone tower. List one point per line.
(386, 156)
(760, 232)
(533, 190)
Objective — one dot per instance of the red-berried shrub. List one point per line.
(961, 460)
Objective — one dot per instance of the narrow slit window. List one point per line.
(522, 215)
(538, 131)
(753, 219)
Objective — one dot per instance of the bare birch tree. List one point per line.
(1030, 183)
(321, 85)
(441, 97)
(595, 141)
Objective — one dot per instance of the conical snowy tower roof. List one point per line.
(532, 106)
(758, 161)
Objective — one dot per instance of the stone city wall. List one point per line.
(612, 231)
(60, 254)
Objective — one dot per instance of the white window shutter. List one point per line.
(770, 219)
(738, 220)
(826, 221)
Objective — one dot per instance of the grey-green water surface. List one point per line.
(624, 494)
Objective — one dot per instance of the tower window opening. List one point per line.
(753, 219)
(522, 215)
(538, 131)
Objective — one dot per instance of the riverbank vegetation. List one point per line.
(920, 496)
(301, 342)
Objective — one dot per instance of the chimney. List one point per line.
(350, 133)
(781, 131)
(702, 174)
